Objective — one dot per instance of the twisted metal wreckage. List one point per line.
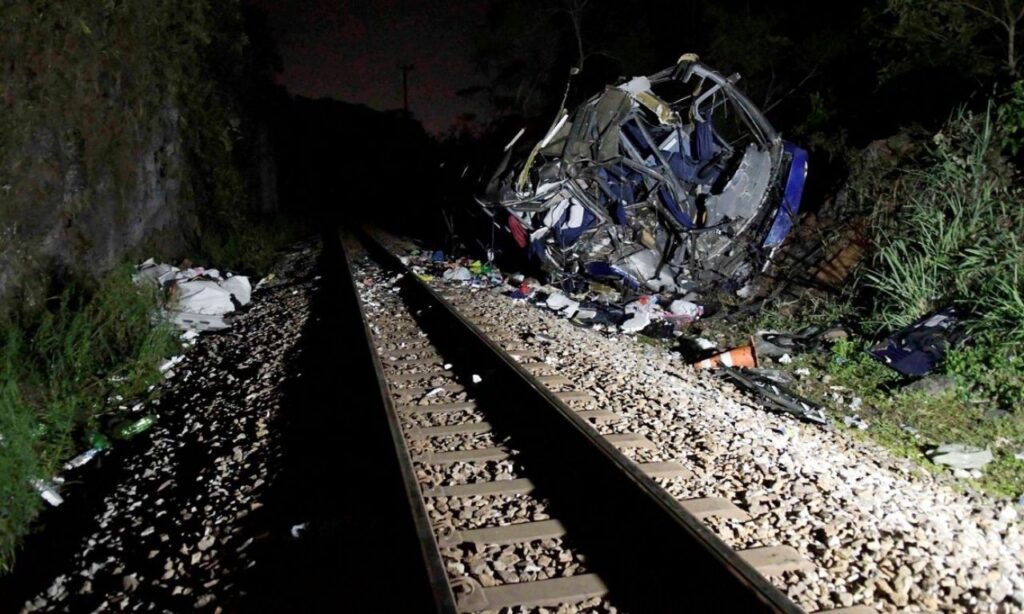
(654, 195)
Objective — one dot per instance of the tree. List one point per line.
(974, 37)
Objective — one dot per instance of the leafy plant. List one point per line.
(56, 374)
(952, 235)
(1010, 115)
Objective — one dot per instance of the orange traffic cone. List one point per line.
(744, 356)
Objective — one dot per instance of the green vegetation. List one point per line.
(57, 373)
(953, 234)
(909, 422)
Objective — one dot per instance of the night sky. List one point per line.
(350, 50)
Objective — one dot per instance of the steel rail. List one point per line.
(676, 554)
(434, 565)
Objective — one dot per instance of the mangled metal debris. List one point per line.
(674, 182)
(775, 395)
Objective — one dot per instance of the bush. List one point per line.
(56, 374)
(952, 233)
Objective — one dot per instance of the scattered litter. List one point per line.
(298, 529)
(775, 375)
(777, 345)
(170, 363)
(195, 298)
(48, 492)
(685, 308)
(960, 456)
(802, 372)
(434, 393)
(458, 274)
(131, 428)
(785, 359)
(82, 459)
(447, 366)
(477, 379)
(562, 304)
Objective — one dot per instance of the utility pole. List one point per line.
(405, 68)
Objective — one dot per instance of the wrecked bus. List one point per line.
(673, 182)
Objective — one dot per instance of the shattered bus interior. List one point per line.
(674, 182)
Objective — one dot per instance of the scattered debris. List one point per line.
(777, 345)
(777, 396)
(458, 274)
(916, 349)
(48, 491)
(855, 422)
(636, 323)
(195, 298)
(131, 428)
(167, 366)
(562, 304)
(644, 193)
(705, 344)
(298, 529)
(82, 459)
(960, 456)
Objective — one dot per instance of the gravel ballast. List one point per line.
(879, 531)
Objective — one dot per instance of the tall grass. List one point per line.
(56, 374)
(953, 234)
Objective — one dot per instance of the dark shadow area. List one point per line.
(59, 530)
(339, 479)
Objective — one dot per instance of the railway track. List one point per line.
(518, 501)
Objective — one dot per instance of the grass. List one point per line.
(954, 235)
(57, 373)
(909, 423)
